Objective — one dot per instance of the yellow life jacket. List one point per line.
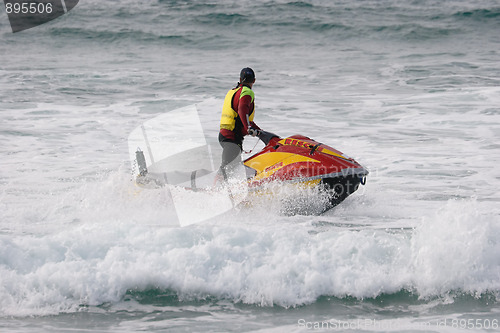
(229, 115)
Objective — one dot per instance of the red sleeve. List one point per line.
(243, 111)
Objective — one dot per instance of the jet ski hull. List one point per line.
(301, 160)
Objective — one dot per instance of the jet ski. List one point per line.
(297, 160)
(163, 157)
(301, 160)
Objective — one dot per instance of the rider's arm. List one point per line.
(254, 125)
(244, 108)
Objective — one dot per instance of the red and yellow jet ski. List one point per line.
(301, 160)
(163, 157)
(296, 160)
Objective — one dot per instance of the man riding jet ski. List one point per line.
(188, 164)
(236, 121)
(295, 159)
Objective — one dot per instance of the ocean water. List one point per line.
(410, 89)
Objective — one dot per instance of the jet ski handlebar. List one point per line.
(266, 136)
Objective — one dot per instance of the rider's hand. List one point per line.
(253, 131)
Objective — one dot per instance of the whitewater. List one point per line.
(410, 90)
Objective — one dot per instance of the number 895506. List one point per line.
(28, 8)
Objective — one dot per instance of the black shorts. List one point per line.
(238, 142)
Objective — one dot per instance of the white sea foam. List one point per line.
(88, 240)
(91, 240)
(127, 244)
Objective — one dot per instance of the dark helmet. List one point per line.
(247, 75)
